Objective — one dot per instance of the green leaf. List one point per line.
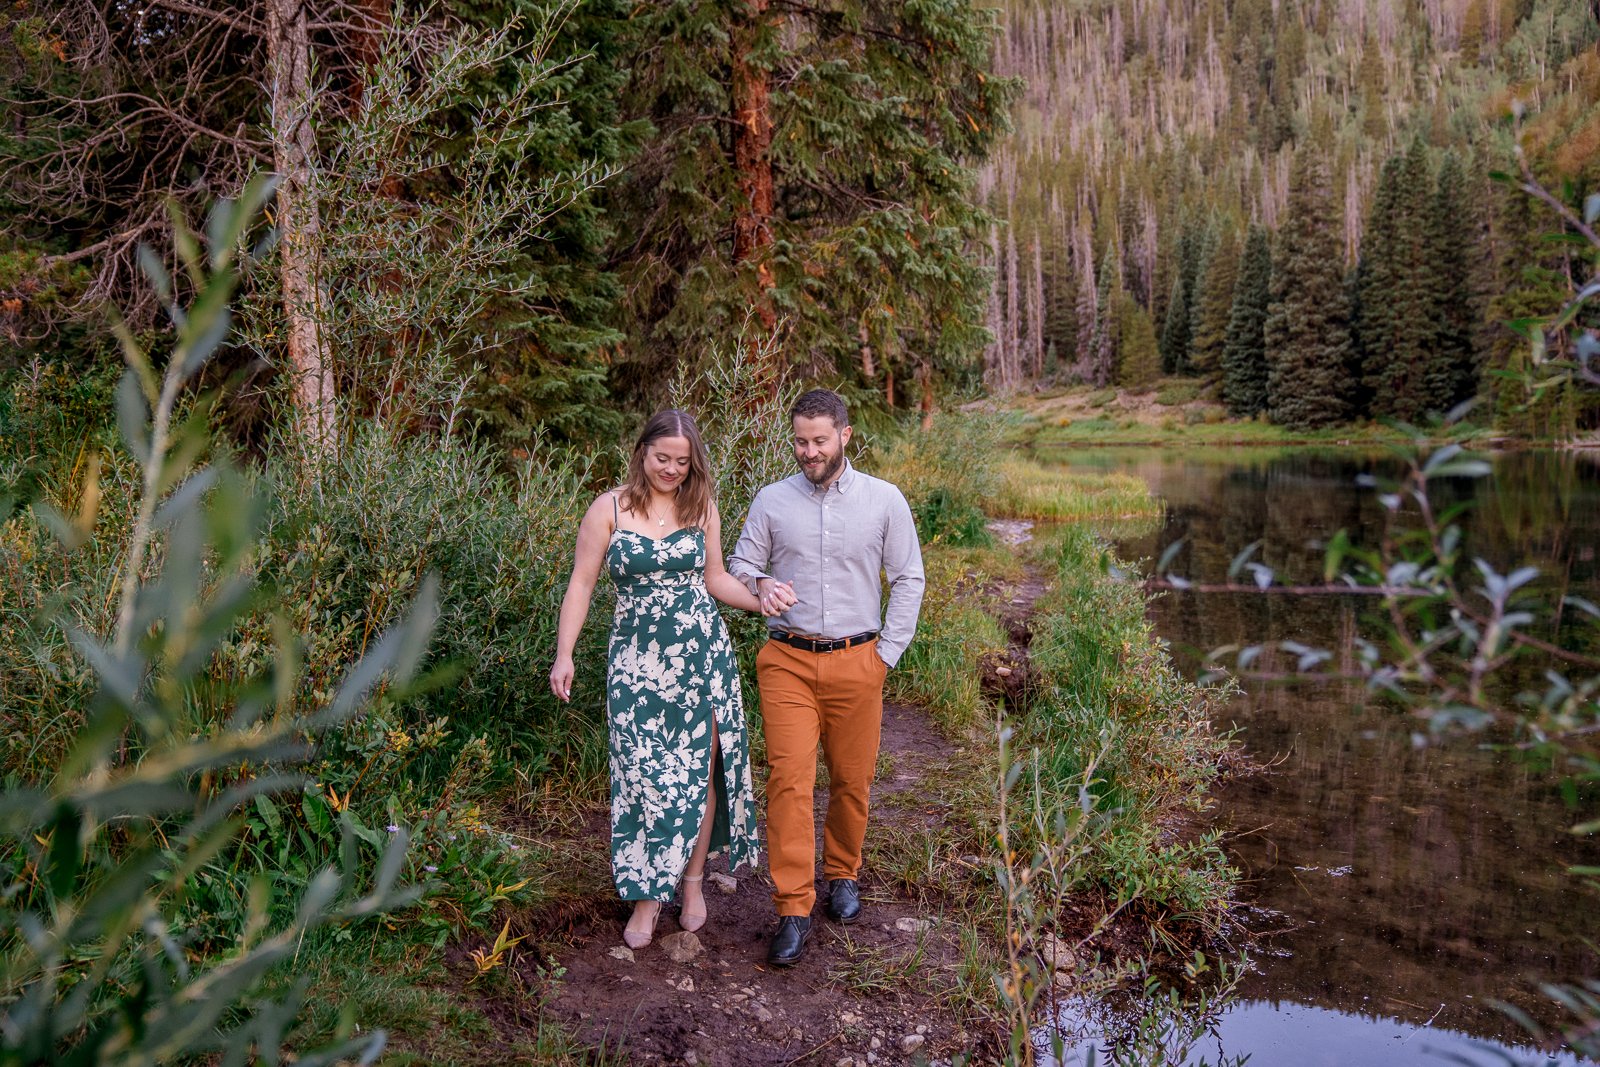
(1242, 558)
(316, 811)
(66, 852)
(269, 812)
(133, 417)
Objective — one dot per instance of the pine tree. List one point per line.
(1453, 231)
(550, 382)
(1307, 329)
(877, 112)
(1103, 345)
(1372, 289)
(1244, 351)
(1175, 328)
(1529, 284)
(1213, 309)
(1398, 295)
(1138, 360)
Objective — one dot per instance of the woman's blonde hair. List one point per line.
(694, 494)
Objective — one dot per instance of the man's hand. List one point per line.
(776, 597)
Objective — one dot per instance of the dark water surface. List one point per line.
(1400, 886)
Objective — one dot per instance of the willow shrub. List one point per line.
(1110, 699)
(105, 852)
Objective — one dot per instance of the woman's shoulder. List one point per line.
(605, 504)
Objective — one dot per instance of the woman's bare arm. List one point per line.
(594, 533)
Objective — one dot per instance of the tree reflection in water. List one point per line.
(1398, 881)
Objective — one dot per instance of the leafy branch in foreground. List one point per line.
(1459, 643)
(99, 861)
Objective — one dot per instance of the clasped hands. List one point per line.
(776, 597)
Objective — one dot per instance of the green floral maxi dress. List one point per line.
(671, 674)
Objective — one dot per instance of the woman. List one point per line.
(680, 765)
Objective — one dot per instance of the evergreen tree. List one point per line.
(1138, 360)
(1176, 326)
(1307, 328)
(1398, 295)
(1104, 344)
(1244, 350)
(1372, 291)
(1214, 307)
(1453, 233)
(1529, 284)
(877, 112)
(550, 380)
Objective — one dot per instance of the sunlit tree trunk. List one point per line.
(752, 162)
(299, 222)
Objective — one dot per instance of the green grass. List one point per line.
(938, 670)
(1179, 391)
(1111, 693)
(432, 1015)
(1031, 490)
(1105, 431)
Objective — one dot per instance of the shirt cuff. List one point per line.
(890, 653)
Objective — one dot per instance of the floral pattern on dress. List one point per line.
(671, 673)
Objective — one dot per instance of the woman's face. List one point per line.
(666, 463)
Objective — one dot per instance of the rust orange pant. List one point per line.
(806, 697)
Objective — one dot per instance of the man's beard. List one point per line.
(828, 474)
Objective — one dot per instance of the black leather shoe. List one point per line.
(789, 943)
(844, 901)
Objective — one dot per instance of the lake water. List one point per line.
(1397, 886)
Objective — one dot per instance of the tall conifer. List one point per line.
(1244, 350)
(1215, 305)
(1453, 233)
(1105, 340)
(1138, 361)
(1308, 329)
(1398, 294)
(878, 113)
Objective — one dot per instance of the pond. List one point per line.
(1398, 885)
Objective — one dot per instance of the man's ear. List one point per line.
(844, 436)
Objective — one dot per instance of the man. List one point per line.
(815, 549)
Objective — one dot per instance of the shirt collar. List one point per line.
(846, 479)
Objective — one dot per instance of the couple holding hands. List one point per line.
(812, 558)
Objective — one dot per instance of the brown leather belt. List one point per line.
(812, 645)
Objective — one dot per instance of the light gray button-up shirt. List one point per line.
(835, 543)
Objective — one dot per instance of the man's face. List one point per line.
(819, 447)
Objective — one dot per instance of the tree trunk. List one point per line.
(752, 163)
(299, 221)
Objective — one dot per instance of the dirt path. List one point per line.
(869, 993)
(881, 991)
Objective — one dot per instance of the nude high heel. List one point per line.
(635, 938)
(693, 920)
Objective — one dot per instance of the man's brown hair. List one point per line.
(819, 402)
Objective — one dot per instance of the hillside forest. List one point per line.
(1308, 202)
(567, 205)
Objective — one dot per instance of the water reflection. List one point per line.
(1284, 1032)
(1398, 886)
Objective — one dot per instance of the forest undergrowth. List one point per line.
(345, 544)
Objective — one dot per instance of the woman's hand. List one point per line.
(561, 679)
(776, 597)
